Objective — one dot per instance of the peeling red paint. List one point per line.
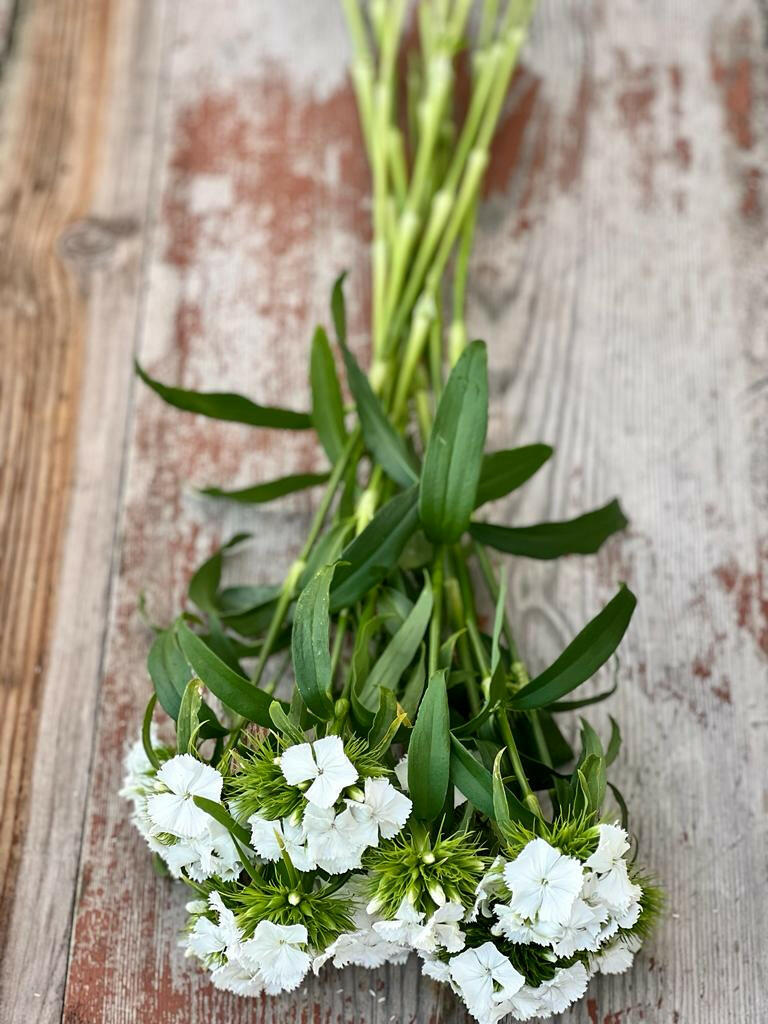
(592, 1010)
(723, 691)
(732, 74)
(749, 591)
(577, 123)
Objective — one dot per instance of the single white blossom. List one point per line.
(522, 930)
(525, 1003)
(363, 948)
(568, 985)
(616, 957)
(210, 940)
(173, 810)
(266, 837)
(611, 847)
(323, 761)
(329, 845)
(543, 882)
(582, 930)
(438, 970)
(274, 950)
(486, 980)
(389, 808)
(404, 927)
(442, 930)
(614, 888)
(237, 977)
(211, 854)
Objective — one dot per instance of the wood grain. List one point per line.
(619, 278)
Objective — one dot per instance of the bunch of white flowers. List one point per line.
(346, 878)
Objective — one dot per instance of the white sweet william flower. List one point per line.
(617, 956)
(628, 918)
(323, 761)
(543, 882)
(521, 930)
(363, 948)
(582, 930)
(568, 985)
(237, 977)
(404, 927)
(266, 837)
(486, 980)
(614, 888)
(442, 930)
(329, 845)
(174, 810)
(274, 951)
(611, 847)
(389, 808)
(525, 1004)
(212, 941)
(401, 772)
(202, 857)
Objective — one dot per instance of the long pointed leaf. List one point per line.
(581, 536)
(259, 494)
(327, 403)
(429, 752)
(503, 472)
(224, 405)
(380, 437)
(585, 654)
(375, 552)
(454, 455)
(310, 644)
(237, 693)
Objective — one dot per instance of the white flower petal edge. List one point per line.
(389, 808)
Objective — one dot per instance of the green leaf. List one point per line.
(223, 405)
(614, 743)
(582, 536)
(242, 599)
(326, 549)
(204, 585)
(188, 721)
(385, 716)
(429, 752)
(169, 671)
(310, 644)
(327, 403)
(574, 705)
(414, 686)
(146, 733)
(454, 454)
(399, 652)
(170, 674)
(237, 693)
(367, 628)
(373, 554)
(283, 723)
(593, 781)
(470, 777)
(498, 622)
(259, 494)
(503, 472)
(338, 309)
(582, 657)
(381, 438)
(219, 813)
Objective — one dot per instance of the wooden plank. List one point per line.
(618, 278)
(75, 170)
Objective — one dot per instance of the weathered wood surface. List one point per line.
(183, 181)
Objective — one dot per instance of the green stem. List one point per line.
(529, 797)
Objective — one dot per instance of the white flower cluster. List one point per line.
(578, 915)
(183, 835)
(333, 831)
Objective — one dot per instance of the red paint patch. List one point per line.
(732, 74)
(749, 591)
(577, 124)
(723, 691)
(592, 1010)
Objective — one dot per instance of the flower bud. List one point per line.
(355, 793)
(437, 893)
(294, 898)
(428, 857)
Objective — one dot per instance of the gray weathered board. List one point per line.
(181, 181)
